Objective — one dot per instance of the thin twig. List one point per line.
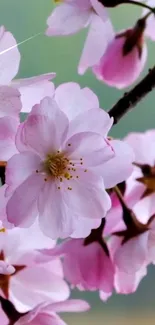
(133, 97)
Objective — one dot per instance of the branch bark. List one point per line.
(133, 97)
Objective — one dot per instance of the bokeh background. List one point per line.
(25, 18)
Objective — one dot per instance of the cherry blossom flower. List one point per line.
(46, 313)
(71, 16)
(32, 89)
(32, 280)
(124, 58)
(87, 266)
(59, 162)
(134, 231)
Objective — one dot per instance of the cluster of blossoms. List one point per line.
(63, 177)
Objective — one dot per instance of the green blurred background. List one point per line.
(25, 18)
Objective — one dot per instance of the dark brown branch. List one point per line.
(10, 310)
(133, 97)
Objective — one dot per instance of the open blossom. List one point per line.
(124, 58)
(70, 162)
(86, 266)
(32, 89)
(29, 281)
(71, 16)
(134, 232)
(46, 313)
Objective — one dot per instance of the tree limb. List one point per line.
(133, 97)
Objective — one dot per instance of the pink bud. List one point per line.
(124, 58)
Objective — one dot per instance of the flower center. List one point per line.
(55, 164)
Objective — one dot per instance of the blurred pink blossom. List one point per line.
(88, 267)
(32, 280)
(71, 16)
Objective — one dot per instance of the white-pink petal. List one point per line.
(34, 89)
(22, 206)
(67, 19)
(121, 161)
(10, 103)
(73, 100)
(9, 60)
(94, 48)
(8, 129)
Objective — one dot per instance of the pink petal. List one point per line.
(72, 305)
(150, 21)
(145, 208)
(20, 167)
(55, 217)
(34, 89)
(8, 129)
(43, 288)
(33, 238)
(73, 100)
(50, 130)
(40, 318)
(67, 19)
(88, 197)
(104, 296)
(122, 162)
(126, 283)
(10, 103)
(151, 243)
(139, 142)
(10, 60)
(94, 48)
(99, 9)
(3, 203)
(114, 221)
(94, 120)
(89, 146)
(132, 255)
(83, 227)
(22, 206)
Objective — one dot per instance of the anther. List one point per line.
(58, 187)
(45, 179)
(85, 170)
(69, 144)
(37, 171)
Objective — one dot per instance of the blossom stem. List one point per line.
(127, 213)
(133, 97)
(140, 4)
(10, 310)
(2, 171)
